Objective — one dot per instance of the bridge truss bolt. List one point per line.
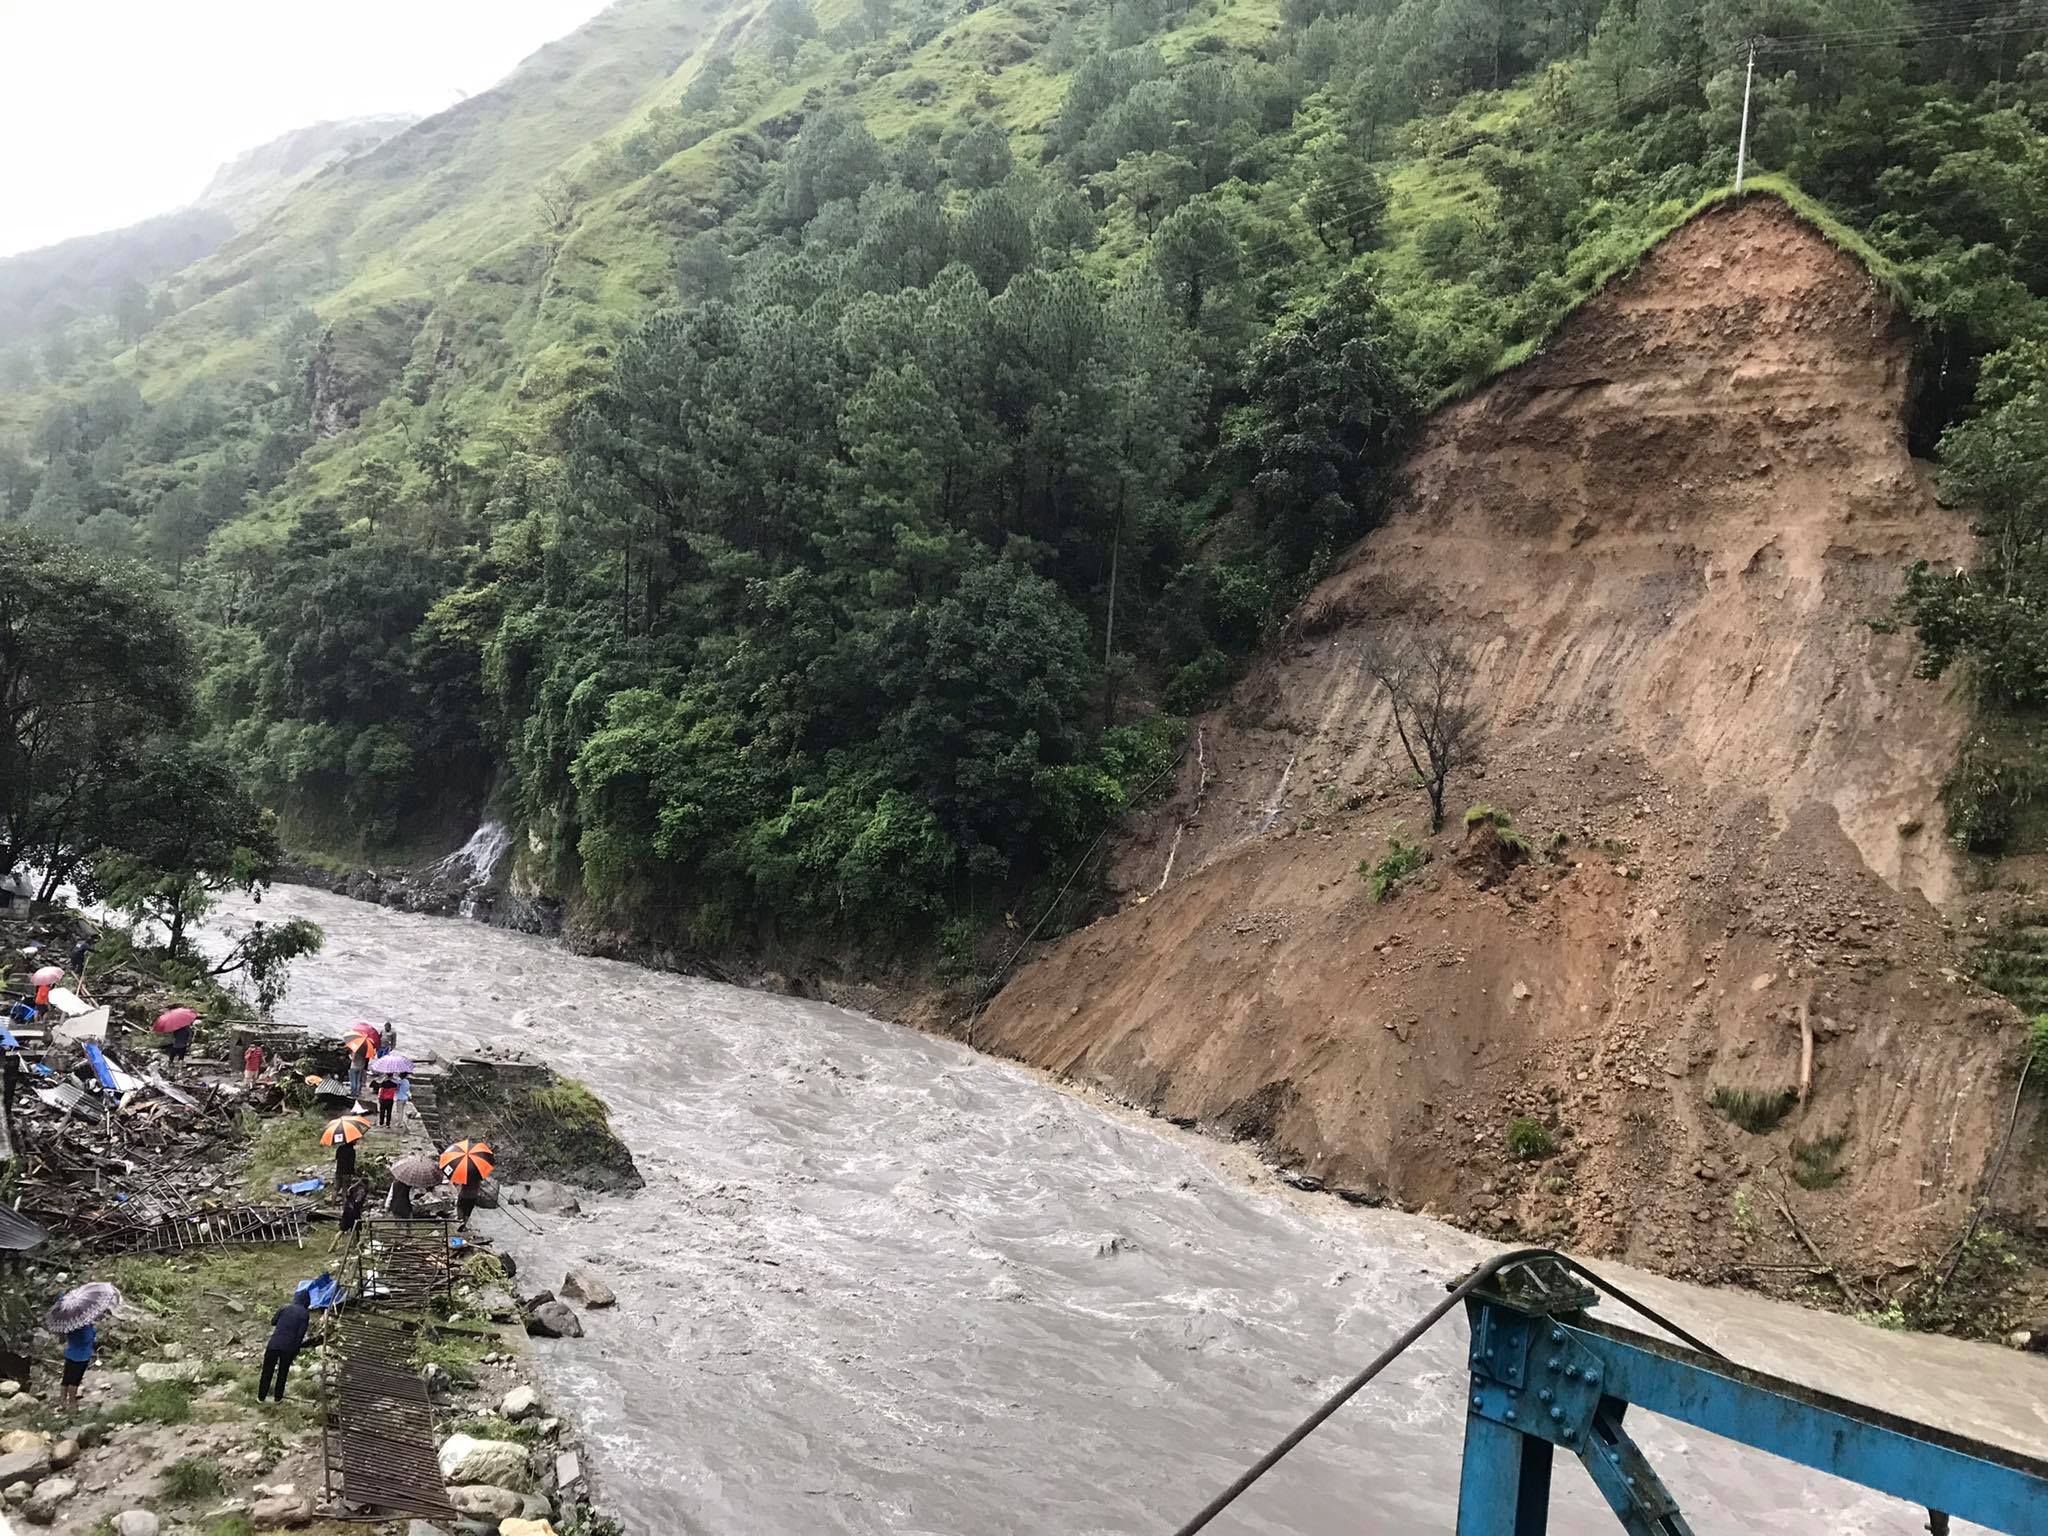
(1543, 1396)
(1571, 1372)
(1557, 1335)
(1511, 1415)
(1592, 1378)
(1570, 1433)
(1556, 1415)
(1550, 1364)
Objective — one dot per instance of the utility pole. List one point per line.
(1742, 146)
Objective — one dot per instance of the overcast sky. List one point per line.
(113, 110)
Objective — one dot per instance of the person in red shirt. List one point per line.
(387, 1100)
(252, 1065)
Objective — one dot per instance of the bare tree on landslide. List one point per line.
(1429, 684)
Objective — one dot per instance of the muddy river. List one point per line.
(879, 1283)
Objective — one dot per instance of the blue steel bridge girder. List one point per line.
(1545, 1376)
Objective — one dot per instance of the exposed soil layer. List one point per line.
(1661, 543)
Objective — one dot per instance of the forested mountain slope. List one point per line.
(804, 462)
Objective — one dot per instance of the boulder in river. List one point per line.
(554, 1320)
(581, 1285)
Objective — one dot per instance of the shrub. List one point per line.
(1755, 1110)
(158, 1402)
(2037, 1041)
(191, 1477)
(1401, 860)
(1529, 1139)
(1503, 828)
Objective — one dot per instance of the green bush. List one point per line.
(1503, 828)
(191, 1477)
(1401, 860)
(158, 1402)
(1197, 683)
(1529, 1139)
(1754, 1110)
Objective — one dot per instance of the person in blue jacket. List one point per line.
(79, 1346)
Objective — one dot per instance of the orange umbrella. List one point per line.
(466, 1160)
(346, 1128)
(358, 1045)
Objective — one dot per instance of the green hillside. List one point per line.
(800, 460)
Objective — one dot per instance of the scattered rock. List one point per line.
(526, 1528)
(136, 1522)
(436, 1377)
(568, 1469)
(422, 1528)
(29, 1466)
(22, 1440)
(519, 1403)
(9, 1388)
(173, 1351)
(186, 1371)
(50, 1494)
(63, 1453)
(581, 1285)
(17, 1493)
(554, 1320)
(500, 1463)
(482, 1499)
(2019, 1338)
(1521, 990)
(295, 1510)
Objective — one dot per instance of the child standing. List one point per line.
(387, 1101)
(252, 1065)
(79, 1345)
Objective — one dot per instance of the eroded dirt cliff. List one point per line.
(1661, 543)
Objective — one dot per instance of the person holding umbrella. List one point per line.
(76, 1316)
(468, 1164)
(342, 1134)
(390, 1067)
(408, 1174)
(358, 1065)
(45, 978)
(177, 1023)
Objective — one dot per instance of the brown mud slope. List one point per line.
(1661, 543)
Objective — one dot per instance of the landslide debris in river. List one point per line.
(1660, 543)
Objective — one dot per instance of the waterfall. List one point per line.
(475, 862)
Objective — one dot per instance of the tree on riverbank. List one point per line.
(92, 667)
(184, 831)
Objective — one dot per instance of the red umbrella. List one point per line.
(171, 1020)
(369, 1032)
(48, 976)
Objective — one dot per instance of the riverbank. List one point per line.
(138, 1187)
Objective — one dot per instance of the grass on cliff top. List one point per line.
(1604, 272)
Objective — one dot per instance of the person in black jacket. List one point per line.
(287, 1337)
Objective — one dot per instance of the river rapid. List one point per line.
(877, 1282)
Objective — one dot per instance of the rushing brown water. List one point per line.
(879, 1283)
